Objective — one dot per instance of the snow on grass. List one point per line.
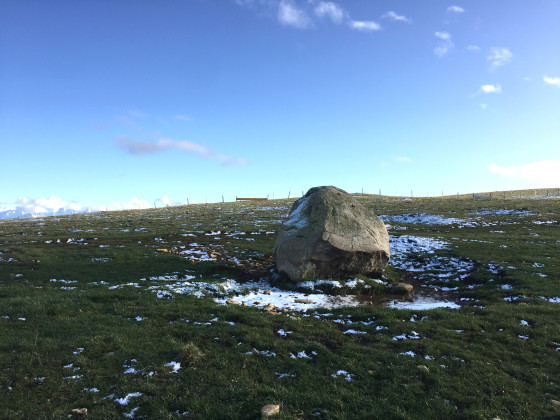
(285, 375)
(423, 304)
(175, 366)
(421, 218)
(262, 294)
(503, 212)
(283, 333)
(408, 353)
(345, 375)
(354, 332)
(132, 413)
(551, 299)
(412, 336)
(125, 400)
(302, 355)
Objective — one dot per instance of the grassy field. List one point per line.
(93, 317)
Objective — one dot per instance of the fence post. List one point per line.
(289, 194)
(223, 199)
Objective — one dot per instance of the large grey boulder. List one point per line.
(329, 234)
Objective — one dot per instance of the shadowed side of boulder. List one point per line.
(329, 234)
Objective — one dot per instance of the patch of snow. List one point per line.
(285, 375)
(175, 366)
(423, 304)
(302, 355)
(297, 219)
(408, 353)
(421, 218)
(125, 400)
(354, 332)
(132, 413)
(552, 299)
(504, 212)
(345, 375)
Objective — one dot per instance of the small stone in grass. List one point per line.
(267, 292)
(269, 308)
(303, 301)
(256, 352)
(270, 410)
(555, 402)
(402, 288)
(80, 411)
(423, 368)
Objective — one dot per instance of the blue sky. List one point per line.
(122, 103)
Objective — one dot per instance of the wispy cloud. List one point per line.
(183, 118)
(331, 10)
(392, 15)
(547, 172)
(135, 113)
(455, 9)
(474, 48)
(143, 148)
(302, 14)
(445, 43)
(365, 26)
(403, 159)
(290, 14)
(499, 57)
(123, 119)
(491, 88)
(554, 81)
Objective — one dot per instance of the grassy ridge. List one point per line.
(493, 357)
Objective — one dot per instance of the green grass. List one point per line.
(479, 367)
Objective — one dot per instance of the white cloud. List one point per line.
(455, 9)
(445, 44)
(491, 88)
(134, 203)
(554, 81)
(45, 205)
(144, 148)
(546, 172)
(474, 48)
(404, 159)
(366, 26)
(499, 57)
(291, 15)
(330, 10)
(484, 106)
(391, 15)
